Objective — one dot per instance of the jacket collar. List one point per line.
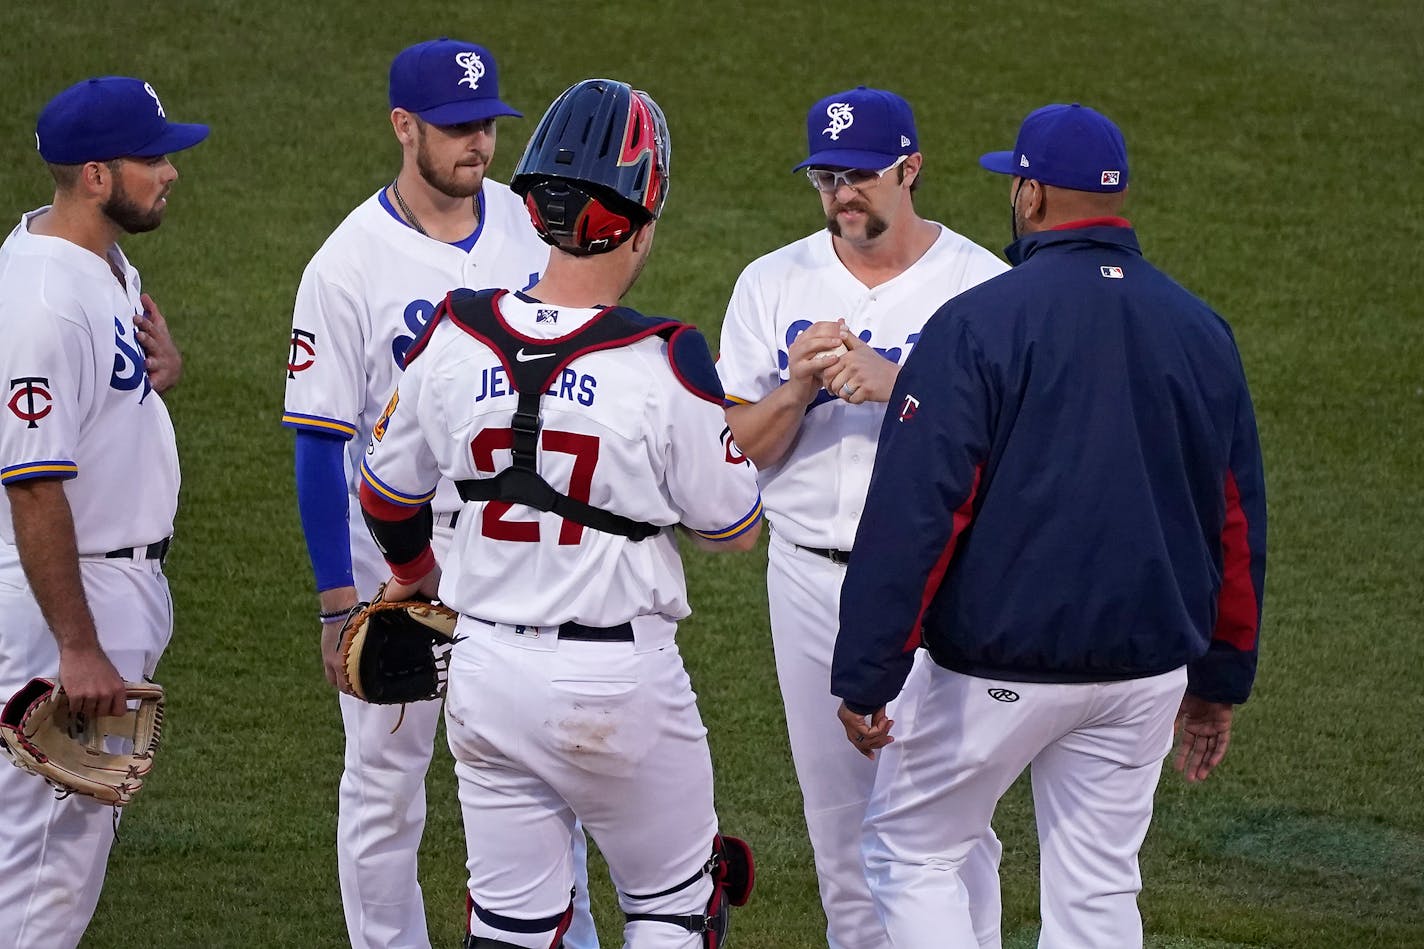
(1118, 233)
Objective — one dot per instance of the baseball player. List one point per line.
(1075, 445)
(812, 342)
(366, 295)
(90, 469)
(579, 433)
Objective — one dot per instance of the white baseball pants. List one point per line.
(803, 590)
(547, 733)
(381, 803)
(53, 853)
(1095, 751)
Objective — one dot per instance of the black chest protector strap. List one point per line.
(532, 367)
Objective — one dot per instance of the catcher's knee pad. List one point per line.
(733, 873)
(547, 932)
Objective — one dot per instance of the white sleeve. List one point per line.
(399, 464)
(716, 495)
(326, 371)
(747, 363)
(41, 361)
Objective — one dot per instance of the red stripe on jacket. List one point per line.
(962, 516)
(1237, 612)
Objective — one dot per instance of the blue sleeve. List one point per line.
(928, 472)
(322, 500)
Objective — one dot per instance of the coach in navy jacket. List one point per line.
(1068, 488)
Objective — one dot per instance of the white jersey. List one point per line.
(815, 494)
(369, 292)
(620, 431)
(79, 404)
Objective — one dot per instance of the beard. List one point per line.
(444, 180)
(875, 225)
(126, 213)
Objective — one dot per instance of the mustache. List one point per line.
(850, 206)
(475, 158)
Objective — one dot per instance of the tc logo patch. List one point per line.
(734, 454)
(302, 353)
(908, 410)
(37, 402)
(1111, 177)
(1003, 695)
(842, 116)
(474, 69)
(1112, 273)
(546, 316)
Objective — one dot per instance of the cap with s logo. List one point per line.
(447, 82)
(110, 117)
(860, 128)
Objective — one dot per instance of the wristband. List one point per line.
(335, 616)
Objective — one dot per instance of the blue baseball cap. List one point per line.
(447, 82)
(860, 128)
(110, 117)
(1068, 146)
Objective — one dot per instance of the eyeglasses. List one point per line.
(830, 181)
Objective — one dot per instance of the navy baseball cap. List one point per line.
(1069, 146)
(860, 128)
(110, 117)
(447, 82)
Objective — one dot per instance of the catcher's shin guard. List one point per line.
(544, 933)
(733, 875)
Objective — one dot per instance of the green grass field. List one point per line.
(1275, 151)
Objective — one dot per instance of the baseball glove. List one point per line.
(395, 652)
(104, 757)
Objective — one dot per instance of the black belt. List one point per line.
(841, 557)
(453, 516)
(622, 633)
(158, 550)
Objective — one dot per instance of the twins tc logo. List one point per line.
(909, 408)
(734, 454)
(302, 353)
(31, 400)
(842, 116)
(474, 69)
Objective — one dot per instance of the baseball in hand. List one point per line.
(826, 355)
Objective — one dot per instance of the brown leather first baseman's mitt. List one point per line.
(397, 652)
(105, 757)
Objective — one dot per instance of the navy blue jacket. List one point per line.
(1068, 486)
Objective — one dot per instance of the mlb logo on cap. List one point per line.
(859, 128)
(447, 82)
(110, 117)
(1068, 146)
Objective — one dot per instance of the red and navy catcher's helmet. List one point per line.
(596, 168)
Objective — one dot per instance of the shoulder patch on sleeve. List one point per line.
(692, 363)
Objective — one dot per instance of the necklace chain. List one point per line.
(415, 221)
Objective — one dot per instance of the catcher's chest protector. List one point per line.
(532, 366)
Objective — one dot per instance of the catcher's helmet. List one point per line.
(596, 168)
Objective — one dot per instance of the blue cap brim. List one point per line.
(176, 137)
(850, 158)
(470, 110)
(999, 162)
